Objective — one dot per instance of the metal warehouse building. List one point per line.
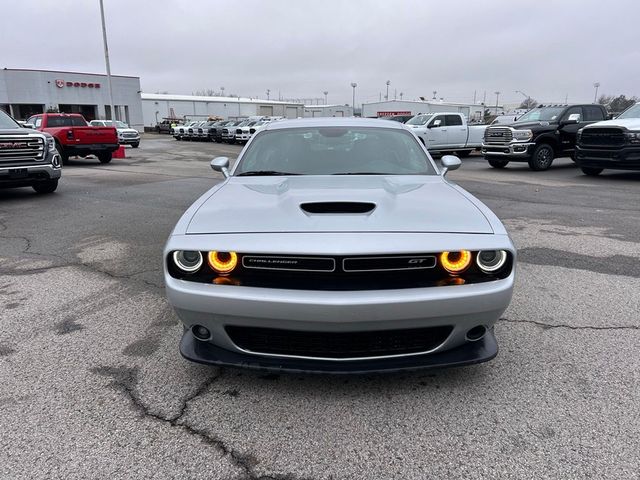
(156, 106)
(26, 92)
(328, 111)
(473, 112)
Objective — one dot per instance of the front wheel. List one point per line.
(591, 171)
(463, 153)
(104, 157)
(497, 163)
(48, 186)
(542, 158)
(64, 156)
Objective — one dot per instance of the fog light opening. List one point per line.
(201, 333)
(476, 333)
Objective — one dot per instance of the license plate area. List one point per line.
(17, 173)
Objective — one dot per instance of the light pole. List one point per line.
(434, 94)
(401, 96)
(268, 92)
(527, 97)
(325, 96)
(222, 90)
(106, 61)
(353, 100)
(595, 97)
(497, 96)
(386, 97)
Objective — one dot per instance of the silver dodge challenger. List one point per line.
(338, 245)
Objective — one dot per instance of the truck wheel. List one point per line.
(496, 163)
(135, 145)
(542, 157)
(464, 153)
(591, 171)
(48, 186)
(104, 157)
(64, 156)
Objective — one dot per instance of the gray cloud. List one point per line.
(548, 50)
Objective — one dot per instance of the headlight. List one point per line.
(491, 261)
(522, 135)
(455, 262)
(51, 143)
(223, 262)
(188, 261)
(632, 137)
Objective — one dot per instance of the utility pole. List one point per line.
(595, 97)
(386, 97)
(325, 96)
(106, 61)
(474, 97)
(268, 92)
(497, 96)
(353, 100)
(401, 94)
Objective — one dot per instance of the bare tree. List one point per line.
(528, 103)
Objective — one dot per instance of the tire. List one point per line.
(64, 156)
(104, 157)
(497, 163)
(47, 186)
(135, 145)
(542, 158)
(464, 153)
(591, 171)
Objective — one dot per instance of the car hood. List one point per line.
(533, 125)
(394, 203)
(127, 130)
(629, 123)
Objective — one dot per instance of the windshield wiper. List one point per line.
(264, 173)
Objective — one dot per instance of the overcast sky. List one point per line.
(301, 48)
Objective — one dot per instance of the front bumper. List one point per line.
(243, 137)
(515, 150)
(129, 140)
(19, 175)
(483, 350)
(620, 158)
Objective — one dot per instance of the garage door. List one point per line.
(292, 112)
(266, 110)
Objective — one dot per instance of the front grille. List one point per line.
(129, 135)
(338, 345)
(239, 131)
(19, 148)
(602, 137)
(225, 131)
(252, 131)
(498, 135)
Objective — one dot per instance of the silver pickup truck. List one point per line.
(28, 158)
(445, 132)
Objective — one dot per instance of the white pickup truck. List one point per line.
(447, 132)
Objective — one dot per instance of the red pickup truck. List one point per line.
(75, 137)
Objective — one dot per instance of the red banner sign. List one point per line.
(391, 114)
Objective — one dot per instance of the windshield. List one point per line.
(7, 122)
(632, 112)
(119, 124)
(419, 120)
(544, 114)
(335, 151)
(64, 121)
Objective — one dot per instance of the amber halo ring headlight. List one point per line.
(188, 261)
(455, 262)
(223, 262)
(491, 261)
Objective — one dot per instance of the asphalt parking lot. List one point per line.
(92, 384)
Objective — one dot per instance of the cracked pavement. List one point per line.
(93, 386)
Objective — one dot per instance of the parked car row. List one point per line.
(228, 131)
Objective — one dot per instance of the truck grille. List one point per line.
(498, 135)
(18, 148)
(602, 137)
(338, 345)
(129, 135)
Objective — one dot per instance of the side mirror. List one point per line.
(435, 124)
(221, 164)
(449, 162)
(573, 119)
(29, 125)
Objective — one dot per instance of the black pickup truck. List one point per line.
(540, 135)
(27, 158)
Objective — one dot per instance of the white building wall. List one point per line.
(328, 111)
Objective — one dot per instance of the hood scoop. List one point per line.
(337, 207)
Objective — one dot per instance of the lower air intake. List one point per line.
(338, 207)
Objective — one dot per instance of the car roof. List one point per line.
(333, 122)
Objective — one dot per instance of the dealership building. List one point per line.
(27, 92)
(473, 111)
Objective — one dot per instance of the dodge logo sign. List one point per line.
(59, 83)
